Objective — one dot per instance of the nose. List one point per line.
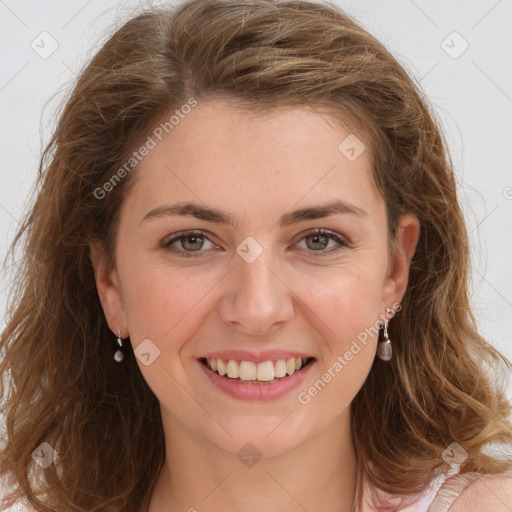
(256, 301)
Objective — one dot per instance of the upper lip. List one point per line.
(255, 357)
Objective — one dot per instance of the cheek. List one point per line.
(158, 298)
(166, 307)
(161, 301)
(348, 309)
(347, 301)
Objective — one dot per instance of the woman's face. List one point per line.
(254, 283)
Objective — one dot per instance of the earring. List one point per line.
(384, 348)
(119, 356)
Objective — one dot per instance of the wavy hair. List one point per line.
(60, 383)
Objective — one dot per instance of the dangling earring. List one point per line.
(384, 348)
(119, 356)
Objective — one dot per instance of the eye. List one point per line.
(317, 240)
(189, 242)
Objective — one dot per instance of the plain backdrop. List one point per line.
(458, 50)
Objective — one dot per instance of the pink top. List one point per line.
(438, 497)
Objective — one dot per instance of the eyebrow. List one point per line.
(222, 217)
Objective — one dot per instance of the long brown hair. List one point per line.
(101, 418)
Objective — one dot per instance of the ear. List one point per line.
(407, 237)
(109, 290)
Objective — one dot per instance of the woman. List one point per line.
(245, 283)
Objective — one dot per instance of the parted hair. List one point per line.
(60, 383)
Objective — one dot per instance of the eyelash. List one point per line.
(314, 232)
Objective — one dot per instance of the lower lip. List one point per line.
(272, 391)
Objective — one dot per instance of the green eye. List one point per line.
(189, 242)
(192, 243)
(318, 240)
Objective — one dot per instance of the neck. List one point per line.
(319, 474)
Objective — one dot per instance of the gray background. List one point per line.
(471, 89)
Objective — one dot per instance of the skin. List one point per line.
(257, 168)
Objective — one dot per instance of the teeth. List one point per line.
(232, 369)
(290, 366)
(280, 368)
(221, 367)
(265, 371)
(249, 371)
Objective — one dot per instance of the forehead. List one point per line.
(255, 162)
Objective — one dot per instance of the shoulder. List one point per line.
(486, 493)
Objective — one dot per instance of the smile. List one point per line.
(251, 372)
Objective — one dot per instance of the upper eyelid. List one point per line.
(182, 234)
